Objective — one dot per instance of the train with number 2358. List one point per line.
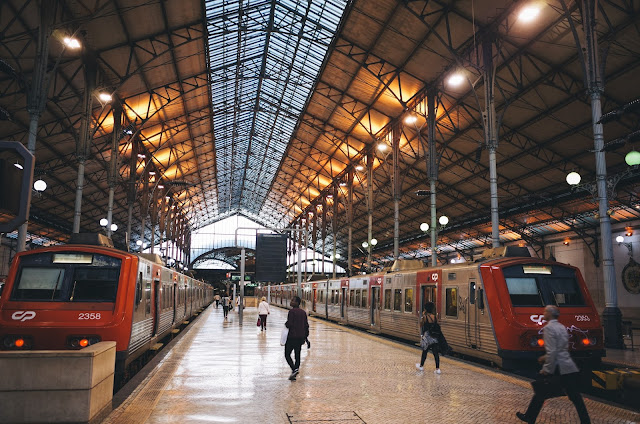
(75, 295)
(491, 309)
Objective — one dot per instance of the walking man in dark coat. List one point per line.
(298, 332)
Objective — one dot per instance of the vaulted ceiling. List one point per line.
(267, 108)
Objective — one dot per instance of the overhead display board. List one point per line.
(271, 257)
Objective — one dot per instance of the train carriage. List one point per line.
(491, 309)
(75, 295)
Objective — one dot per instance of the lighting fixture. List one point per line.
(619, 239)
(632, 158)
(628, 231)
(105, 97)
(443, 220)
(103, 222)
(573, 178)
(359, 168)
(114, 227)
(566, 242)
(71, 42)
(40, 185)
(374, 242)
(365, 244)
(411, 119)
(17, 165)
(455, 79)
(139, 242)
(529, 13)
(424, 227)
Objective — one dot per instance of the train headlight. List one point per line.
(78, 342)
(16, 342)
(536, 342)
(541, 342)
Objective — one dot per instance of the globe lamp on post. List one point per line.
(632, 158)
(573, 178)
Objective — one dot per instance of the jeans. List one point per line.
(225, 310)
(293, 344)
(263, 322)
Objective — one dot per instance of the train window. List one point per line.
(565, 291)
(365, 298)
(397, 299)
(39, 284)
(524, 291)
(351, 297)
(451, 276)
(451, 302)
(147, 298)
(480, 299)
(387, 299)
(95, 285)
(139, 290)
(472, 292)
(358, 294)
(408, 300)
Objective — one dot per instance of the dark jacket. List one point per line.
(297, 324)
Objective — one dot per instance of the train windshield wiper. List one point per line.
(57, 283)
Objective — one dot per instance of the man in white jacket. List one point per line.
(263, 311)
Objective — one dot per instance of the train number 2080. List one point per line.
(87, 315)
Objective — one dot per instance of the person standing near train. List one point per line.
(226, 301)
(263, 311)
(217, 299)
(557, 362)
(430, 334)
(298, 326)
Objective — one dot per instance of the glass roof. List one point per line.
(265, 57)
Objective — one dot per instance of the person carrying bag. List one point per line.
(559, 374)
(430, 330)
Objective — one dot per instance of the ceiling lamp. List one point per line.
(105, 97)
(424, 227)
(139, 242)
(529, 13)
(573, 178)
(114, 227)
(456, 79)
(103, 222)
(40, 185)
(359, 168)
(383, 147)
(71, 42)
(632, 158)
(443, 220)
(411, 119)
(374, 242)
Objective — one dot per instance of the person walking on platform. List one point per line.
(559, 365)
(298, 326)
(225, 304)
(430, 331)
(263, 311)
(217, 299)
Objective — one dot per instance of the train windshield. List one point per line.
(45, 277)
(543, 285)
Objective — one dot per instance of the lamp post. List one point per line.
(369, 245)
(424, 227)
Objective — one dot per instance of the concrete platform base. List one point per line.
(48, 386)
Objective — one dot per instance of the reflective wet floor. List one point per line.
(221, 372)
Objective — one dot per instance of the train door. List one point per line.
(472, 327)
(313, 298)
(375, 306)
(174, 295)
(343, 300)
(156, 306)
(427, 294)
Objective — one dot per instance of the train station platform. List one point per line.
(221, 372)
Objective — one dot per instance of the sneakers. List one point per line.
(419, 367)
(293, 375)
(437, 371)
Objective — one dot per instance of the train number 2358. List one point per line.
(87, 315)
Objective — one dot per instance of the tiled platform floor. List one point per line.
(625, 357)
(220, 372)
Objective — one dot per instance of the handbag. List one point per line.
(548, 386)
(259, 322)
(283, 336)
(426, 340)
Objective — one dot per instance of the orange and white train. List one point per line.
(490, 309)
(71, 296)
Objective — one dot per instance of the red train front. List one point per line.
(517, 289)
(67, 298)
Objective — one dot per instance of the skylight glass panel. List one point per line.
(265, 56)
